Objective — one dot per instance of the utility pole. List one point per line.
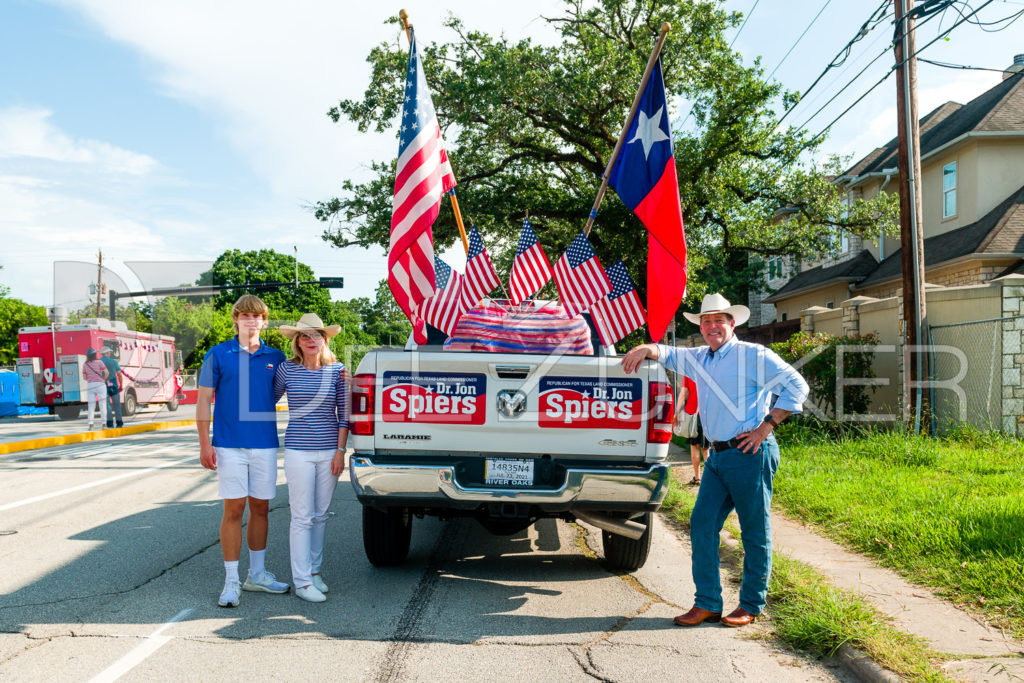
(99, 282)
(296, 248)
(911, 233)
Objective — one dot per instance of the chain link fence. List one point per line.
(966, 374)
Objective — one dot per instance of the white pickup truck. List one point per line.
(508, 438)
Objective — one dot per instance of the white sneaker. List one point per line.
(310, 594)
(229, 596)
(265, 582)
(318, 583)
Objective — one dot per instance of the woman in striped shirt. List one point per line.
(314, 444)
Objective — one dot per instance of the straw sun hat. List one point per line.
(308, 323)
(716, 303)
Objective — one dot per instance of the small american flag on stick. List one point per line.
(480, 278)
(530, 268)
(619, 312)
(580, 278)
(444, 308)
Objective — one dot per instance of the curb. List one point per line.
(863, 667)
(66, 439)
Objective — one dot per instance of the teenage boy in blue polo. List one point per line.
(240, 372)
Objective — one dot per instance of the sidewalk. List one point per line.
(980, 652)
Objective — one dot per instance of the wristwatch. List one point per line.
(769, 420)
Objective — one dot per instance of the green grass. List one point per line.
(812, 615)
(946, 513)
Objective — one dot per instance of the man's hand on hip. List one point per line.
(751, 441)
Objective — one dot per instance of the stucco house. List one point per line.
(972, 164)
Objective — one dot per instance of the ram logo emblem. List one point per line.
(511, 403)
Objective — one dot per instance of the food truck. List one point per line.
(50, 360)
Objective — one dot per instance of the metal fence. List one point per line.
(966, 374)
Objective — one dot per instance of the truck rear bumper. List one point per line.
(435, 486)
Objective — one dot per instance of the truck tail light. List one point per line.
(362, 404)
(662, 411)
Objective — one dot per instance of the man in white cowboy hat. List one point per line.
(735, 381)
(243, 452)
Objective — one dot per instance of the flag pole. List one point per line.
(404, 16)
(665, 28)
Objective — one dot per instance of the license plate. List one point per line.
(508, 472)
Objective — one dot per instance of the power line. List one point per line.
(793, 46)
(949, 65)
(893, 68)
(844, 53)
(745, 20)
(928, 13)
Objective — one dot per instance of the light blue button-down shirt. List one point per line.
(735, 384)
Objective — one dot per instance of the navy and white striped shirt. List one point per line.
(318, 404)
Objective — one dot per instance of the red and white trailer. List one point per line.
(50, 360)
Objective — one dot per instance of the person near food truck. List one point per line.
(113, 387)
(735, 382)
(95, 374)
(243, 451)
(314, 444)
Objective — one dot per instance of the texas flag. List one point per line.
(644, 176)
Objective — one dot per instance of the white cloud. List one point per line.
(29, 133)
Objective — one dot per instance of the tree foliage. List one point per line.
(818, 357)
(236, 267)
(530, 127)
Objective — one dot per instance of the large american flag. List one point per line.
(443, 309)
(423, 176)
(619, 312)
(580, 278)
(530, 268)
(480, 278)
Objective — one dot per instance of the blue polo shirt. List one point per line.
(243, 384)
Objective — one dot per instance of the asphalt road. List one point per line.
(111, 569)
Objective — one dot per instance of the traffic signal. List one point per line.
(332, 282)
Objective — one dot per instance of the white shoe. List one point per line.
(310, 594)
(265, 582)
(318, 583)
(229, 596)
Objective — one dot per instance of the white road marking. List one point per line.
(154, 641)
(101, 482)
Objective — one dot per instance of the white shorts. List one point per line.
(246, 472)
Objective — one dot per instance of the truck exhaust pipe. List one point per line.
(622, 527)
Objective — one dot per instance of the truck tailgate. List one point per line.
(511, 404)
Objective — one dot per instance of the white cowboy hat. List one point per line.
(716, 303)
(308, 323)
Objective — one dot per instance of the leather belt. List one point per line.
(725, 445)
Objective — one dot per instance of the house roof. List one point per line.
(998, 109)
(850, 270)
(1000, 231)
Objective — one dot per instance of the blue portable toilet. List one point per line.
(8, 393)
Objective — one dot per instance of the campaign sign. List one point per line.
(590, 402)
(434, 397)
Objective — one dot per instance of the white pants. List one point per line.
(310, 489)
(96, 394)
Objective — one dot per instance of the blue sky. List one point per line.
(174, 131)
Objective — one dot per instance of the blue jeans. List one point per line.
(114, 409)
(734, 480)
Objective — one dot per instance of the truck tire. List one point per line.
(386, 535)
(131, 404)
(172, 405)
(625, 553)
(67, 412)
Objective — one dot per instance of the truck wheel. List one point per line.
(131, 404)
(622, 552)
(67, 412)
(386, 535)
(172, 405)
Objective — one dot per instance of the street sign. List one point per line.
(332, 282)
